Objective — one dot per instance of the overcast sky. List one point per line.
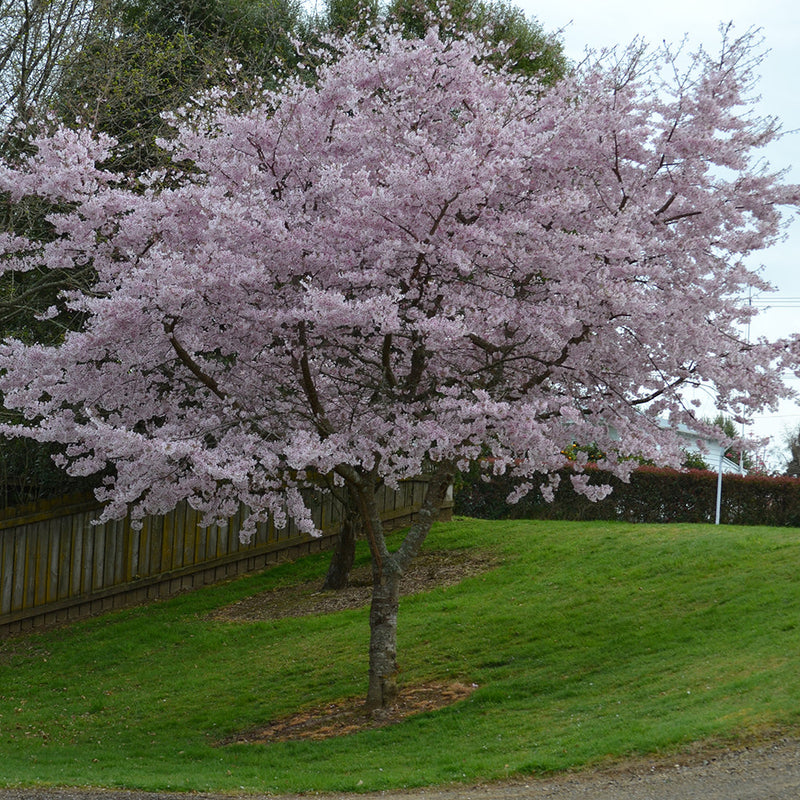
(604, 23)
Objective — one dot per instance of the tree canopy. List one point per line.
(518, 42)
(414, 262)
(117, 65)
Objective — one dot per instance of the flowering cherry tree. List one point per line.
(416, 263)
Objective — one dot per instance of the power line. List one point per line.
(776, 301)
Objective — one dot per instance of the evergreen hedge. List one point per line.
(653, 495)
(27, 473)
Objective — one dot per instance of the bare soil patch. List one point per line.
(350, 716)
(428, 571)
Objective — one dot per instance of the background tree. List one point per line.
(792, 441)
(736, 452)
(693, 460)
(35, 36)
(152, 56)
(411, 262)
(345, 16)
(519, 43)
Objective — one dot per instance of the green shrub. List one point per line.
(652, 495)
(27, 473)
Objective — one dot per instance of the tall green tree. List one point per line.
(152, 56)
(345, 16)
(792, 441)
(521, 42)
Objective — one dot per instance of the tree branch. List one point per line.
(440, 480)
(677, 217)
(190, 364)
(324, 427)
(363, 488)
(663, 390)
(386, 354)
(560, 360)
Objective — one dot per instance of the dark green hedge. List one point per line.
(27, 473)
(653, 495)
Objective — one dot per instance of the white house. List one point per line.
(710, 450)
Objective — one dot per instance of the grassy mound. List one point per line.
(587, 641)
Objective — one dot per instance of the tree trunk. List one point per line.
(344, 552)
(387, 569)
(382, 690)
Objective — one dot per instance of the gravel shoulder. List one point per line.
(768, 770)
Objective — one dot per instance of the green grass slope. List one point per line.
(588, 641)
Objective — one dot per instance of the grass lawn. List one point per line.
(588, 641)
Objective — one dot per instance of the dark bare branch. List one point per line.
(678, 217)
(386, 359)
(324, 427)
(186, 359)
(666, 205)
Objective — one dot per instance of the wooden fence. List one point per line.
(55, 565)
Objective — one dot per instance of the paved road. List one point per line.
(768, 771)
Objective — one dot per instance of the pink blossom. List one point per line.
(418, 259)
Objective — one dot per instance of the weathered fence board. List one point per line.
(56, 565)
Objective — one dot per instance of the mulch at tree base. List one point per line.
(350, 716)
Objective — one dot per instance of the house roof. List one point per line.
(712, 451)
